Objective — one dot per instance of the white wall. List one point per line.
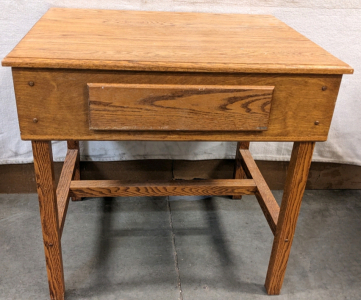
(334, 24)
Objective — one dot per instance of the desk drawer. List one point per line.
(56, 106)
(179, 107)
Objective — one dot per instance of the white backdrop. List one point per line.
(334, 25)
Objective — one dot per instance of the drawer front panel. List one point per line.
(178, 107)
(59, 101)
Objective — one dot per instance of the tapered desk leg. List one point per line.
(44, 174)
(238, 169)
(74, 145)
(290, 207)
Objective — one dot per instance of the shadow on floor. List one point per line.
(109, 244)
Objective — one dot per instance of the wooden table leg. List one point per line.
(238, 170)
(44, 175)
(74, 145)
(290, 207)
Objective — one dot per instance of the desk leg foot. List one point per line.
(238, 172)
(74, 145)
(290, 207)
(44, 175)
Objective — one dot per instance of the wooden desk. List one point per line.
(125, 75)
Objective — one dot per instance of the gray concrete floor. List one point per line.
(152, 248)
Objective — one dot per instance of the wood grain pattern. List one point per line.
(263, 194)
(74, 145)
(114, 188)
(290, 207)
(44, 175)
(323, 176)
(178, 107)
(62, 191)
(169, 41)
(153, 48)
(238, 172)
(59, 100)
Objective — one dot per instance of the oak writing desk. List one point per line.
(126, 75)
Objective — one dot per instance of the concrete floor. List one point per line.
(152, 248)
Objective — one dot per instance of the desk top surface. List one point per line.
(169, 41)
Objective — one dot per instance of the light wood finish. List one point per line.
(74, 145)
(62, 191)
(169, 41)
(59, 101)
(291, 202)
(114, 188)
(178, 107)
(44, 175)
(238, 172)
(70, 48)
(263, 194)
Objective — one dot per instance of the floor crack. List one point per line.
(175, 255)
